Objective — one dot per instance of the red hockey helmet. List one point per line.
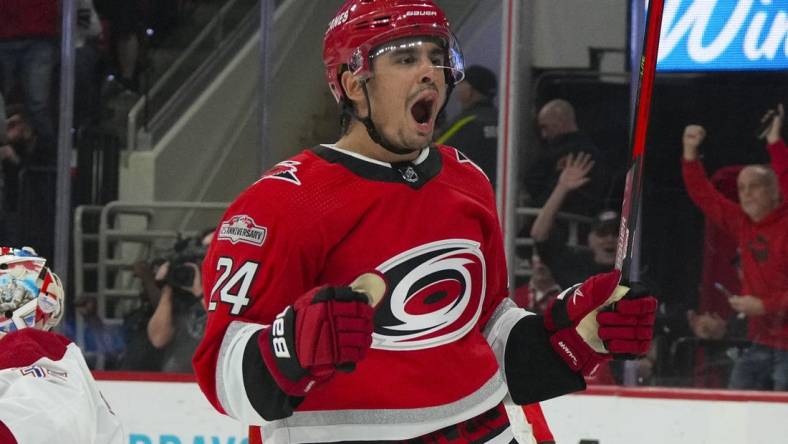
(362, 26)
(31, 295)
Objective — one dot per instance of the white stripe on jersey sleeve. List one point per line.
(505, 437)
(506, 315)
(230, 387)
(521, 428)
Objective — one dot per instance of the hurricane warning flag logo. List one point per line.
(286, 170)
(242, 228)
(435, 295)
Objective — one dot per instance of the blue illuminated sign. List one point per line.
(729, 35)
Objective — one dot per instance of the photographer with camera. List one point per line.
(178, 323)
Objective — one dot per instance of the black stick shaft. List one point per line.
(627, 238)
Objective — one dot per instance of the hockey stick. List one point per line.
(630, 204)
(372, 285)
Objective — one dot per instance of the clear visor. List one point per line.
(450, 59)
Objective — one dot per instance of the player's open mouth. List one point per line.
(424, 108)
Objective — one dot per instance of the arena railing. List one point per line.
(109, 239)
(575, 223)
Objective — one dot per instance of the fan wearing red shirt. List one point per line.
(760, 225)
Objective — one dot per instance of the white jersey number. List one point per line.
(243, 275)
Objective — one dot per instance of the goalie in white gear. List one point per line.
(47, 393)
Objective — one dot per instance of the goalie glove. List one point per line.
(325, 330)
(617, 321)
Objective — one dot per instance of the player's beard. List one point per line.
(408, 140)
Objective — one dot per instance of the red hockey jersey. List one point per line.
(325, 217)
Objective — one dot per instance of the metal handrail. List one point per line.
(79, 261)
(80, 238)
(214, 26)
(574, 220)
(106, 233)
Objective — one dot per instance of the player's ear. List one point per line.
(354, 90)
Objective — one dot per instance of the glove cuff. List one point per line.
(555, 315)
(278, 349)
(577, 354)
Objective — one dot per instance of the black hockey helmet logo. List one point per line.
(435, 295)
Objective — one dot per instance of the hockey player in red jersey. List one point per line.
(290, 347)
(47, 393)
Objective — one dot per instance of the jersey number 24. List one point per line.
(233, 284)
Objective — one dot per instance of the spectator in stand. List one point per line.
(562, 137)
(85, 68)
(29, 193)
(557, 265)
(722, 340)
(541, 288)
(758, 225)
(570, 263)
(2, 120)
(101, 340)
(711, 325)
(28, 55)
(475, 130)
(21, 142)
(125, 18)
(706, 325)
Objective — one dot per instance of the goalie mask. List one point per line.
(31, 295)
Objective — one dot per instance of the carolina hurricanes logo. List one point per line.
(435, 295)
(286, 171)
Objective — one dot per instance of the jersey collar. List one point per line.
(414, 174)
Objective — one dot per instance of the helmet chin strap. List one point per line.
(377, 137)
(373, 132)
